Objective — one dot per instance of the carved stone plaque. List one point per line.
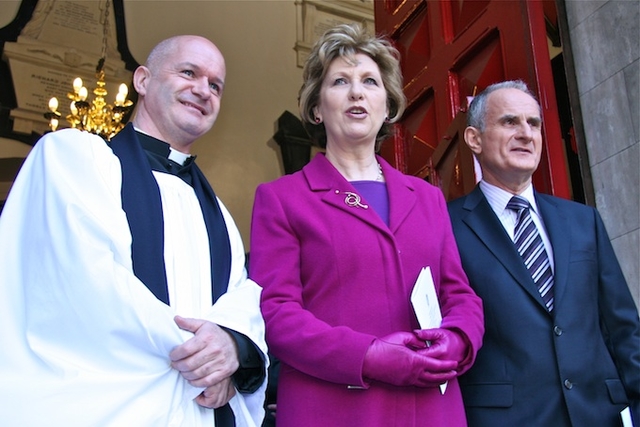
(62, 41)
(314, 17)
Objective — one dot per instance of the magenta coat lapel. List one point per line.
(323, 178)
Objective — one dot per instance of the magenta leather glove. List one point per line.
(396, 359)
(444, 344)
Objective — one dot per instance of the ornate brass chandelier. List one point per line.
(97, 116)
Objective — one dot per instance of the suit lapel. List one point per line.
(556, 224)
(481, 219)
(402, 196)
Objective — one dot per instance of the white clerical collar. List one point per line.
(174, 155)
(177, 156)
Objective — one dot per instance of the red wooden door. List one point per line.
(452, 49)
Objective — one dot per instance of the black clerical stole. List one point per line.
(143, 206)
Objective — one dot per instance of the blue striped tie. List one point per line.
(529, 243)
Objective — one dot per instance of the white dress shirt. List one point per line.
(498, 199)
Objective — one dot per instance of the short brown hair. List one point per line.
(347, 40)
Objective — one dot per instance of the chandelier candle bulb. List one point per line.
(77, 85)
(83, 93)
(53, 115)
(123, 89)
(120, 98)
(53, 104)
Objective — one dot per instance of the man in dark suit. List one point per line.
(562, 338)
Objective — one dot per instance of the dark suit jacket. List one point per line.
(578, 366)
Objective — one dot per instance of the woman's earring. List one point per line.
(317, 120)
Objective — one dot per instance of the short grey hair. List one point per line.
(478, 108)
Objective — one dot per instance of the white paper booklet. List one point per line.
(625, 416)
(426, 305)
(425, 301)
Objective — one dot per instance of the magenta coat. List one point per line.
(335, 277)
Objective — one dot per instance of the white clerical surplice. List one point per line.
(83, 341)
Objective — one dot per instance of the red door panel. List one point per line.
(450, 51)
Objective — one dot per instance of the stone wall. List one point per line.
(605, 39)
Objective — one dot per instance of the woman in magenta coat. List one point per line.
(337, 248)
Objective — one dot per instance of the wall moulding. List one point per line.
(314, 17)
(57, 42)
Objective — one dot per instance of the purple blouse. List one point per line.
(374, 194)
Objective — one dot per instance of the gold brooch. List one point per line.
(354, 200)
